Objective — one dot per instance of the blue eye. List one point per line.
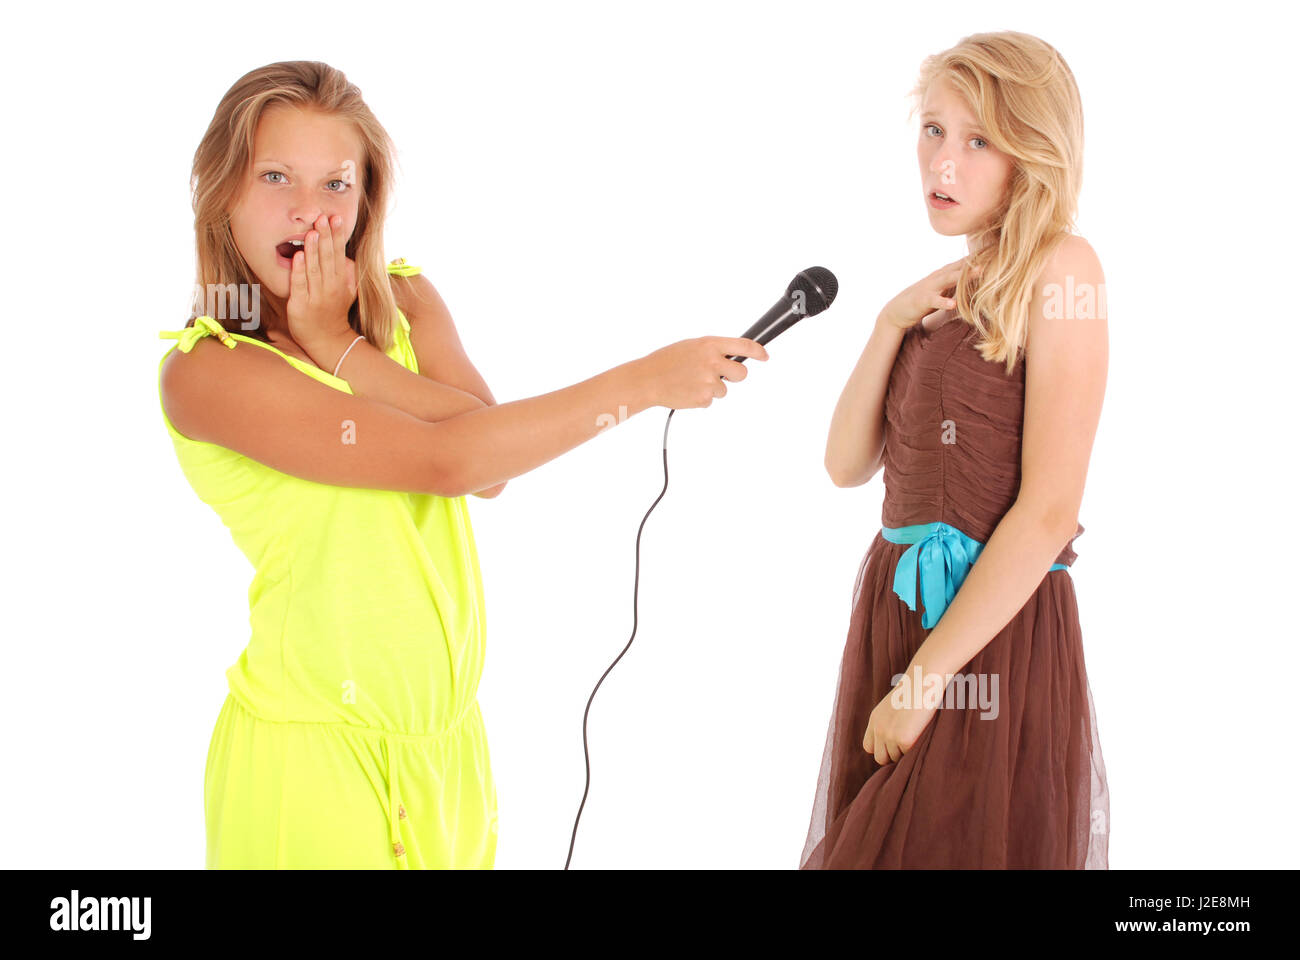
(276, 173)
(935, 126)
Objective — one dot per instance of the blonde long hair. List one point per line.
(221, 163)
(1024, 95)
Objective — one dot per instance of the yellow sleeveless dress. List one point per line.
(351, 736)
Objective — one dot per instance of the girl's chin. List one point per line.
(948, 230)
(275, 282)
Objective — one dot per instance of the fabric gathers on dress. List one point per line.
(944, 556)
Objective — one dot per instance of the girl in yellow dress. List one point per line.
(321, 403)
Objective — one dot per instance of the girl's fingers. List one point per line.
(298, 277)
(313, 264)
(326, 249)
(340, 247)
(743, 347)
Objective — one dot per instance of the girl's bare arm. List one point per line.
(252, 401)
(857, 434)
(373, 374)
(857, 437)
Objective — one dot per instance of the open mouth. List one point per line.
(288, 249)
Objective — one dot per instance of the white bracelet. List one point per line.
(345, 353)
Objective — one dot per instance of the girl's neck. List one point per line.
(273, 317)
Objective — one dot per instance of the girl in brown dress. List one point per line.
(963, 733)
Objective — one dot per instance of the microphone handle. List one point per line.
(776, 321)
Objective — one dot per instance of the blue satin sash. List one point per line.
(944, 555)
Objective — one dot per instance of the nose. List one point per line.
(305, 206)
(943, 160)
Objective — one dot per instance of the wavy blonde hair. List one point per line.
(221, 164)
(1024, 95)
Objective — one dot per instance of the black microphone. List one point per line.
(809, 293)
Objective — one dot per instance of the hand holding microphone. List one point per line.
(690, 373)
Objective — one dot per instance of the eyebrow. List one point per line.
(289, 167)
(931, 115)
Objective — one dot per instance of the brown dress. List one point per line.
(1026, 789)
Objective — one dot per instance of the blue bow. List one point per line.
(944, 555)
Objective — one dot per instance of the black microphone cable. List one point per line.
(809, 293)
(636, 586)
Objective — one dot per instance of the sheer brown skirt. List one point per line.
(1024, 789)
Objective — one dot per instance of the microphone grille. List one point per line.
(819, 288)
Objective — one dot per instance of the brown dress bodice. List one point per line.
(953, 426)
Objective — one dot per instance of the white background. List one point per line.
(585, 183)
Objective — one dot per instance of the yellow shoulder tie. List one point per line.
(203, 326)
(403, 269)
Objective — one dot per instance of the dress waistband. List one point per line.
(390, 752)
(392, 768)
(944, 555)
